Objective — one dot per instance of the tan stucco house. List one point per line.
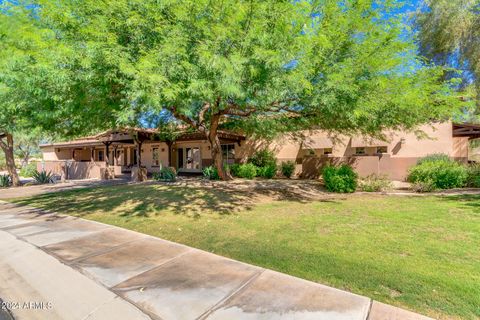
(122, 149)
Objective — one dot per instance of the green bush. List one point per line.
(247, 171)
(43, 177)
(165, 174)
(28, 170)
(441, 173)
(340, 179)
(233, 168)
(473, 176)
(263, 158)
(375, 183)
(5, 181)
(434, 157)
(267, 172)
(288, 168)
(211, 173)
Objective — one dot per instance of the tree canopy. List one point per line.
(342, 66)
(449, 35)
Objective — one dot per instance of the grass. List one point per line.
(420, 253)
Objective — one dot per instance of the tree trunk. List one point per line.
(216, 149)
(7, 147)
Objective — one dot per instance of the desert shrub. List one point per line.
(267, 172)
(263, 158)
(434, 157)
(28, 170)
(443, 174)
(211, 173)
(288, 168)
(473, 176)
(340, 179)
(247, 170)
(423, 186)
(375, 183)
(43, 177)
(165, 174)
(233, 168)
(5, 181)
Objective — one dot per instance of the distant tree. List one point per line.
(26, 145)
(449, 35)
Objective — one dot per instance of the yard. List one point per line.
(420, 253)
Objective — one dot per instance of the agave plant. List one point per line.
(5, 180)
(43, 177)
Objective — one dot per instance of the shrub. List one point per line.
(473, 176)
(211, 173)
(28, 170)
(247, 170)
(434, 157)
(287, 168)
(263, 158)
(43, 177)
(165, 174)
(441, 173)
(340, 179)
(375, 183)
(5, 180)
(234, 169)
(267, 172)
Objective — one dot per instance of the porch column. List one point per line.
(169, 152)
(115, 160)
(92, 154)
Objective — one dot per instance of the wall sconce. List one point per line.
(163, 149)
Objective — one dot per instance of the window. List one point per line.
(360, 150)
(156, 161)
(381, 150)
(100, 155)
(228, 151)
(327, 151)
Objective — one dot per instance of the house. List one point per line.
(117, 152)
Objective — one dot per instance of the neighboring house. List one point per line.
(123, 149)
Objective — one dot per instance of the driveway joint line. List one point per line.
(229, 296)
(156, 267)
(93, 254)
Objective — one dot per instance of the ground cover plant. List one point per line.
(419, 254)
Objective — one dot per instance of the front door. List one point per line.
(189, 159)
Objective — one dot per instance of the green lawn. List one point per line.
(420, 253)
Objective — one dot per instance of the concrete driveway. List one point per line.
(60, 267)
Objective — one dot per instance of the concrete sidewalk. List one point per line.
(70, 268)
(34, 190)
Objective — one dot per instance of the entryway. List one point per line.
(189, 159)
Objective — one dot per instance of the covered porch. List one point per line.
(135, 152)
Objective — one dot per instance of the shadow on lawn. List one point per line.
(471, 201)
(191, 198)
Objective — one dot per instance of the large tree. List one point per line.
(51, 80)
(449, 35)
(343, 66)
(340, 66)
